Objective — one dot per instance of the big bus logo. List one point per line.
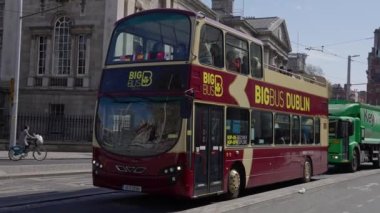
(212, 84)
(140, 79)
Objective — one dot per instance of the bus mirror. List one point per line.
(186, 105)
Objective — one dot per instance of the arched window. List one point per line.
(62, 46)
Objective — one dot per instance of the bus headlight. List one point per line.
(172, 170)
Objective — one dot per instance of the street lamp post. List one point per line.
(13, 133)
(348, 85)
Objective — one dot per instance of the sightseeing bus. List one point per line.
(186, 107)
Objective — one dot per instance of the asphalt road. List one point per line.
(336, 192)
(7, 162)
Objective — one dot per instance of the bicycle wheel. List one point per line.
(14, 153)
(39, 153)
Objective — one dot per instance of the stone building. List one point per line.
(272, 31)
(64, 43)
(373, 73)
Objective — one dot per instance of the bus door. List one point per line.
(208, 151)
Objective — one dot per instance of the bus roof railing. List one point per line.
(311, 79)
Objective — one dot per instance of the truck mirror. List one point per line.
(350, 128)
(362, 132)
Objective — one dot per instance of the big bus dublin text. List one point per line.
(187, 108)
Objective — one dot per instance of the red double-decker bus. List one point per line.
(187, 108)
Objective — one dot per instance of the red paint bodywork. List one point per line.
(269, 164)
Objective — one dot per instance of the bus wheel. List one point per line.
(354, 165)
(234, 183)
(307, 171)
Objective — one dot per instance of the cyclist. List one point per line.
(23, 138)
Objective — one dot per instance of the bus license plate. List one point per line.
(132, 188)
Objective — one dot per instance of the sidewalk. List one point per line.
(29, 167)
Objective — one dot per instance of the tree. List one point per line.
(314, 70)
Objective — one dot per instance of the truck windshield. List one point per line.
(152, 37)
(333, 126)
(137, 127)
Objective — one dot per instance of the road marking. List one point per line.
(359, 206)
(370, 201)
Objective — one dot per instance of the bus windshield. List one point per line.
(158, 36)
(137, 127)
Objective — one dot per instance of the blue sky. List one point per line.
(343, 27)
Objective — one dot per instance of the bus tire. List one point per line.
(234, 184)
(354, 164)
(307, 171)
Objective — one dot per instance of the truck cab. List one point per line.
(354, 134)
(344, 141)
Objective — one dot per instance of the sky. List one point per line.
(343, 27)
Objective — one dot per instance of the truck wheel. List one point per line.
(234, 183)
(307, 171)
(354, 165)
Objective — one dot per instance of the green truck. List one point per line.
(354, 134)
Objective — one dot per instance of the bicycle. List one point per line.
(18, 152)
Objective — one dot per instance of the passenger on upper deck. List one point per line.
(138, 53)
(217, 57)
(157, 52)
(233, 63)
(180, 52)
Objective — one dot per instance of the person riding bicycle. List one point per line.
(23, 138)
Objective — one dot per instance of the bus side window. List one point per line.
(210, 46)
(317, 131)
(237, 49)
(237, 127)
(307, 128)
(256, 60)
(296, 129)
(261, 127)
(204, 55)
(282, 129)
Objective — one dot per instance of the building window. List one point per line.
(62, 46)
(57, 109)
(82, 42)
(42, 44)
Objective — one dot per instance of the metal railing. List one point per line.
(70, 128)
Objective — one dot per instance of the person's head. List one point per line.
(26, 127)
(180, 51)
